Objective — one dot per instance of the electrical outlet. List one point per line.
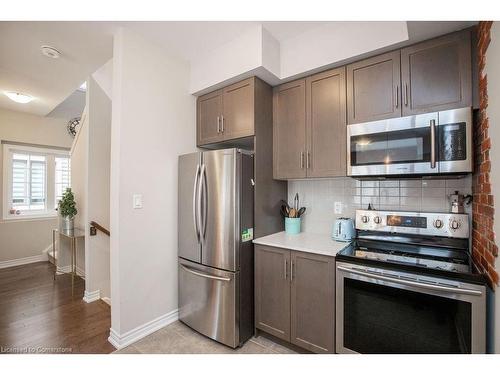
(137, 200)
(337, 207)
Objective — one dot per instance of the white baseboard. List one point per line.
(48, 249)
(106, 300)
(79, 271)
(121, 341)
(92, 296)
(21, 261)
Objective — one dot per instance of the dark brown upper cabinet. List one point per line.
(228, 113)
(326, 124)
(373, 88)
(310, 127)
(289, 130)
(209, 110)
(238, 112)
(436, 74)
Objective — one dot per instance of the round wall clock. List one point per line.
(73, 126)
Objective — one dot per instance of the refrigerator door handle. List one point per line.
(205, 275)
(205, 201)
(195, 202)
(201, 187)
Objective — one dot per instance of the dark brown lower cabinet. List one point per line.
(313, 302)
(295, 297)
(272, 291)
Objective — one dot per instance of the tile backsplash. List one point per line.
(319, 197)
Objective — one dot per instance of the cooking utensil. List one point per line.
(293, 213)
(284, 210)
(296, 202)
(301, 211)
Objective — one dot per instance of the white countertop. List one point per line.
(322, 244)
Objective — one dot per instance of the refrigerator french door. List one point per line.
(215, 248)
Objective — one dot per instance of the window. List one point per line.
(63, 176)
(34, 180)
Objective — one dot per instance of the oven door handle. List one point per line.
(417, 284)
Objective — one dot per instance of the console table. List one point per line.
(73, 236)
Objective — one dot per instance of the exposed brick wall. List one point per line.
(484, 249)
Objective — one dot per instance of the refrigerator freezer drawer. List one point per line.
(208, 301)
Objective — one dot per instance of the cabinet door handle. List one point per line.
(291, 270)
(222, 121)
(397, 96)
(308, 160)
(286, 269)
(301, 159)
(406, 94)
(218, 124)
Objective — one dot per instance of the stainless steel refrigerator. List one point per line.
(215, 244)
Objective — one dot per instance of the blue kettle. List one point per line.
(343, 230)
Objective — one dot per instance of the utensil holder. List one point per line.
(292, 225)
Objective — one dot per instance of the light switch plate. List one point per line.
(137, 200)
(337, 207)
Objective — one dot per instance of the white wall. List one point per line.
(228, 62)
(99, 164)
(26, 238)
(335, 42)
(79, 170)
(153, 121)
(258, 52)
(104, 77)
(492, 71)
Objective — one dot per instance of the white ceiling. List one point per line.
(85, 46)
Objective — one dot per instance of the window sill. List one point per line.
(40, 217)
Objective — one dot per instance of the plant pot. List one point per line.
(66, 223)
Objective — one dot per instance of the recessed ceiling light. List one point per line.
(18, 97)
(50, 52)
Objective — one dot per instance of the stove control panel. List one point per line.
(424, 223)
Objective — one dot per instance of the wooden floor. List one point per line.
(38, 315)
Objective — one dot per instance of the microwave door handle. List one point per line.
(440, 288)
(433, 144)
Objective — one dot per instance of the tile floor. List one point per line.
(178, 338)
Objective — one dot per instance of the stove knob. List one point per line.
(365, 219)
(377, 219)
(454, 224)
(438, 223)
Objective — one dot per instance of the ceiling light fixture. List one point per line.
(50, 52)
(18, 97)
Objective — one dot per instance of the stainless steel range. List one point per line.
(407, 285)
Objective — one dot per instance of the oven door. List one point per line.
(398, 146)
(384, 311)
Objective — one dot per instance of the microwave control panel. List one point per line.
(452, 142)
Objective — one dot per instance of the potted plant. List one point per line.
(67, 210)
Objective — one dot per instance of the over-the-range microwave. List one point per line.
(437, 143)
